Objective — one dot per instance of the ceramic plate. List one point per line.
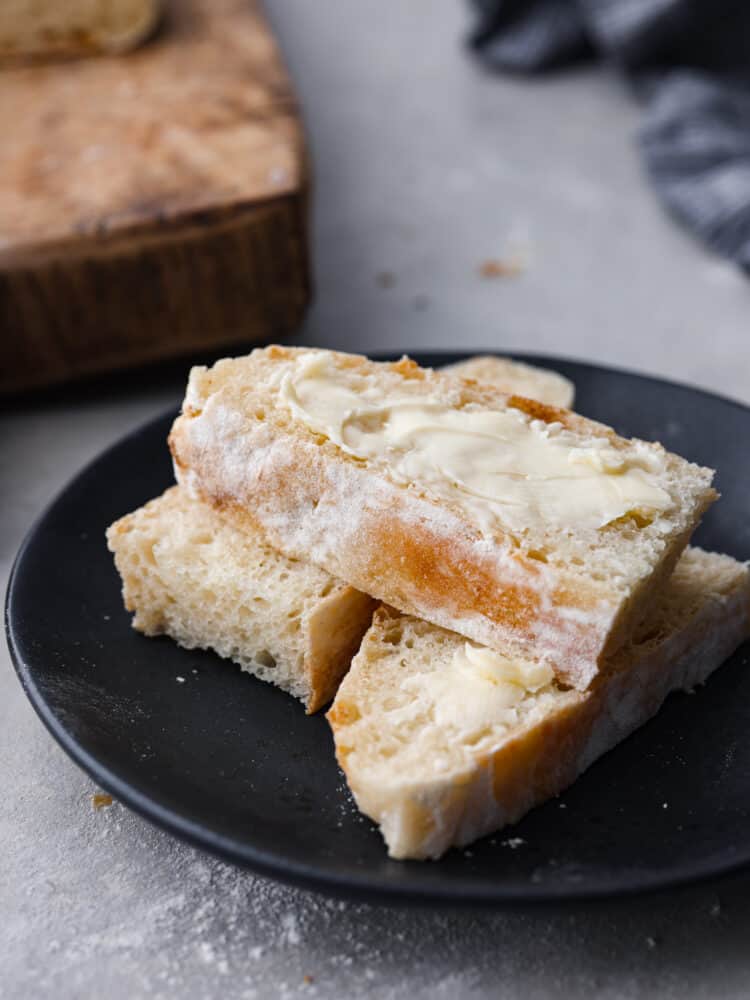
(234, 765)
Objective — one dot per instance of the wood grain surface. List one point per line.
(151, 204)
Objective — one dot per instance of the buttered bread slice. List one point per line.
(515, 377)
(190, 574)
(442, 741)
(513, 523)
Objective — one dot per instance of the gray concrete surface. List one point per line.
(425, 167)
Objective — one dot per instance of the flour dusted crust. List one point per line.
(36, 29)
(237, 448)
(191, 574)
(423, 809)
(515, 377)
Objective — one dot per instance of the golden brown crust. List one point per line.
(335, 632)
(540, 763)
(538, 411)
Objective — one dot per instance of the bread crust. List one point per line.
(422, 820)
(515, 377)
(155, 588)
(52, 32)
(314, 502)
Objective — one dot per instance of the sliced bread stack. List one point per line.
(531, 615)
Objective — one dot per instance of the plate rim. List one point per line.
(309, 876)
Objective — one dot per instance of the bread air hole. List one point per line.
(148, 552)
(537, 554)
(390, 704)
(203, 538)
(393, 636)
(265, 659)
(641, 519)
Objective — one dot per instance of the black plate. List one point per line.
(235, 766)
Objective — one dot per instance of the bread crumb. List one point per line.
(180, 680)
(386, 279)
(100, 800)
(496, 268)
(513, 842)
(307, 979)
(651, 942)
(290, 930)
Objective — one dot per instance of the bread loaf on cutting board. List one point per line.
(52, 28)
(152, 205)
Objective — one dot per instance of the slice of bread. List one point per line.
(439, 751)
(52, 28)
(189, 573)
(563, 559)
(515, 377)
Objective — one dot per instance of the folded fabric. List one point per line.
(690, 62)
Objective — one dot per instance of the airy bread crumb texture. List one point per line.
(191, 574)
(431, 784)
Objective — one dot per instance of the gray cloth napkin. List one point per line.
(689, 61)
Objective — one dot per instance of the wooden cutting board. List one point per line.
(151, 204)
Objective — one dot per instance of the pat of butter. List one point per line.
(500, 465)
(480, 689)
(498, 669)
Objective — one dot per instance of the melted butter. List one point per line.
(499, 464)
(480, 689)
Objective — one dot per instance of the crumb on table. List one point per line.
(496, 268)
(386, 279)
(100, 800)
